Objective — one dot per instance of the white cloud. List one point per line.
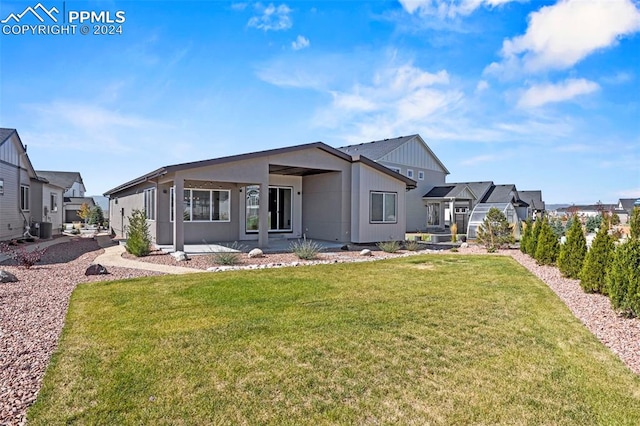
(542, 94)
(482, 86)
(448, 8)
(271, 17)
(300, 42)
(239, 6)
(561, 35)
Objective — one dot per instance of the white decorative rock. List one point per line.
(464, 245)
(180, 256)
(365, 252)
(256, 252)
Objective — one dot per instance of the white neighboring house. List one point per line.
(74, 191)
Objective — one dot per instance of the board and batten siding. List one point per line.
(365, 180)
(11, 219)
(412, 154)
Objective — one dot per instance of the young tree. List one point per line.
(573, 251)
(526, 235)
(634, 223)
(594, 270)
(593, 222)
(84, 212)
(138, 238)
(557, 227)
(532, 243)
(495, 232)
(615, 219)
(547, 246)
(623, 278)
(96, 217)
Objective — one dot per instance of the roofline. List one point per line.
(24, 151)
(258, 154)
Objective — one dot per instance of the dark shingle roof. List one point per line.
(61, 179)
(628, 203)
(5, 133)
(439, 191)
(533, 198)
(376, 149)
(451, 189)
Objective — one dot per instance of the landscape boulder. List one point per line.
(365, 252)
(256, 252)
(96, 269)
(7, 277)
(180, 256)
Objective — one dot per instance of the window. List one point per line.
(53, 202)
(395, 169)
(383, 207)
(24, 198)
(420, 175)
(1, 186)
(461, 210)
(410, 173)
(279, 208)
(204, 205)
(150, 203)
(433, 214)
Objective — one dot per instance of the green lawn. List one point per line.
(419, 340)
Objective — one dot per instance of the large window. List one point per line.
(150, 203)
(24, 198)
(383, 207)
(433, 214)
(204, 205)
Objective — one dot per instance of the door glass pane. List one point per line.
(187, 204)
(273, 208)
(284, 209)
(220, 205)
(252, 203)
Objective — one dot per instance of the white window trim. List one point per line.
(172, 196)
(384, 215)
(410, 173)
(150, 195)
(53, 202)
(27, 198)
(420, 175)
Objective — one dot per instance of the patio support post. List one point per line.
(178, 214)
(263, 216)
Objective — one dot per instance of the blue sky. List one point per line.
(542, 94)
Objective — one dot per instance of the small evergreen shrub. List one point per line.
(526, 235)
(305, 249)
(532, 242)
(594, 271)
(138, 238)
(573, 251)
(495, 232)
(592, 223)
(389, 246)
(623, 278)
(547, 246)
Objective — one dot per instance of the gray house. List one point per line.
(312, 189)
(74, 190)
(27, 201)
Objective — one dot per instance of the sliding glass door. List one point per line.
(279, 204)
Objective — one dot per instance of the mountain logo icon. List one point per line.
(34, 11)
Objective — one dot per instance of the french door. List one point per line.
(280, 208)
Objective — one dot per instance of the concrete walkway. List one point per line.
(112, 256)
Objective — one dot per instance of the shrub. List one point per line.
(615, 219)
(573, 251)
(557, 227)
(412, 245)
(532, 242)
(24, 258)
(305, 249)
(389, 246)
(96, 216)
(634, 223)
(623, 278)
(592, 223)
(495, 231)
(594, 271)
(547, 246)
(138, 238)
(526, 235)
(454, 232)
(230, 257)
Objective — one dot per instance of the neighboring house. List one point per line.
(410, 156)
(74, 191)
(625, 208)
(537, 207)
(453, 202)
(310, 190)
(26, 199)
(588, 210)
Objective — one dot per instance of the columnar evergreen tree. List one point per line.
(526, 235)
(573, 251)
(634, 223)
(623, 278)
(532, 243)
(495, 232)
(547, 246)
(138, 238)
(557, 227)
(594, 271)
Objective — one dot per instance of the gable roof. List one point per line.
(628, 203)
(376, 150)
(277, 151)
(61, 179)
(451, 190)
(5, 135)
(503, 194)
(533, 198)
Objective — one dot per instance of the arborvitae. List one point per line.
(573, 251)
(634, 223)
(138, 239)
(526, 235)
(494, 232)
(532, 242)
(594, 271)
(547, 246)
(623, 278)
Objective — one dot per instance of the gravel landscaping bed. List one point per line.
(32, 311)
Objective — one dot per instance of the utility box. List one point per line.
(46, 229)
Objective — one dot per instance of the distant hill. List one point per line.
(101, 201)
(551, 207)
